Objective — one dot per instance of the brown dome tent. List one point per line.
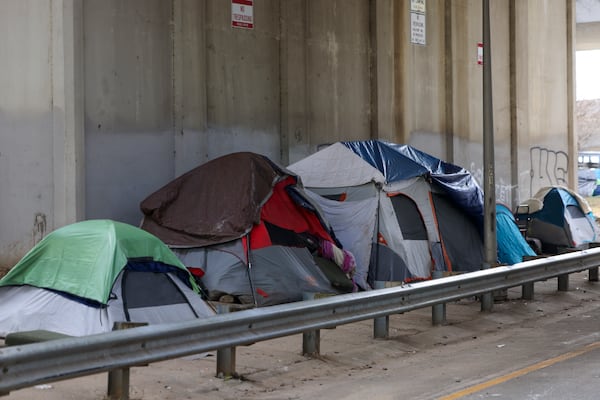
(247, 225)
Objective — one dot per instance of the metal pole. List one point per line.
(311, 340)
(226, 355)
(118, 384)
(527, 291)
(118, 379)
(381, 325)
(489, 192)
(563, 283)
(438, 311)
(311, 343)
(593, 272)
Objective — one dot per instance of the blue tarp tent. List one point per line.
(402, 212)
(399, 162)
(386, 210)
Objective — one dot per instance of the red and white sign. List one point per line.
(479, 53)
(242, 14)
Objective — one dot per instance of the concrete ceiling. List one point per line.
(587, 11)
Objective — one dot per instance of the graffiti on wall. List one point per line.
(503, 190)
(547, 167)
(39, 227)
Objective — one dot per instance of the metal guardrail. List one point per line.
(32, 364)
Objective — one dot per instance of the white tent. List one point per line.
(398, 231)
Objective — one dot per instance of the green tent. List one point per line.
(83, 278)
(85, 258)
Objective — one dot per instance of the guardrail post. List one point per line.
(118, 384)
(563, 283)
(487, 298)
(118, 379)
(311, 340)
(438, 311)
(225, 356)
(381, 325)
(593, 272)
(527, 291)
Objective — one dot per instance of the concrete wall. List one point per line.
(129, 136)
(588, 36)
(41, 153)
(25, 127)
(123, 96)
(542, 97)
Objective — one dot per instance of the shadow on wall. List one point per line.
(6, 263)
(11, 254)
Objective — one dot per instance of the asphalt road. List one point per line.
(546, 348)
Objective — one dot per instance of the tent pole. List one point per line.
(489, 216)
(379, 189)
(249, 270)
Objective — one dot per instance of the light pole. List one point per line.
(489, 186)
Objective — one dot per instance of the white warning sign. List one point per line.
(242, 14)
(418, 28)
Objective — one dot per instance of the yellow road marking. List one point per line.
(521, 372)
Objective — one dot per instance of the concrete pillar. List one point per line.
(448, 82)
(294, 121)
(570, 59)
(588, 36)
(189, 84)
(67, 111)
(383, 63)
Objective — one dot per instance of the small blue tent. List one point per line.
(511, 244)
(559, 218)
